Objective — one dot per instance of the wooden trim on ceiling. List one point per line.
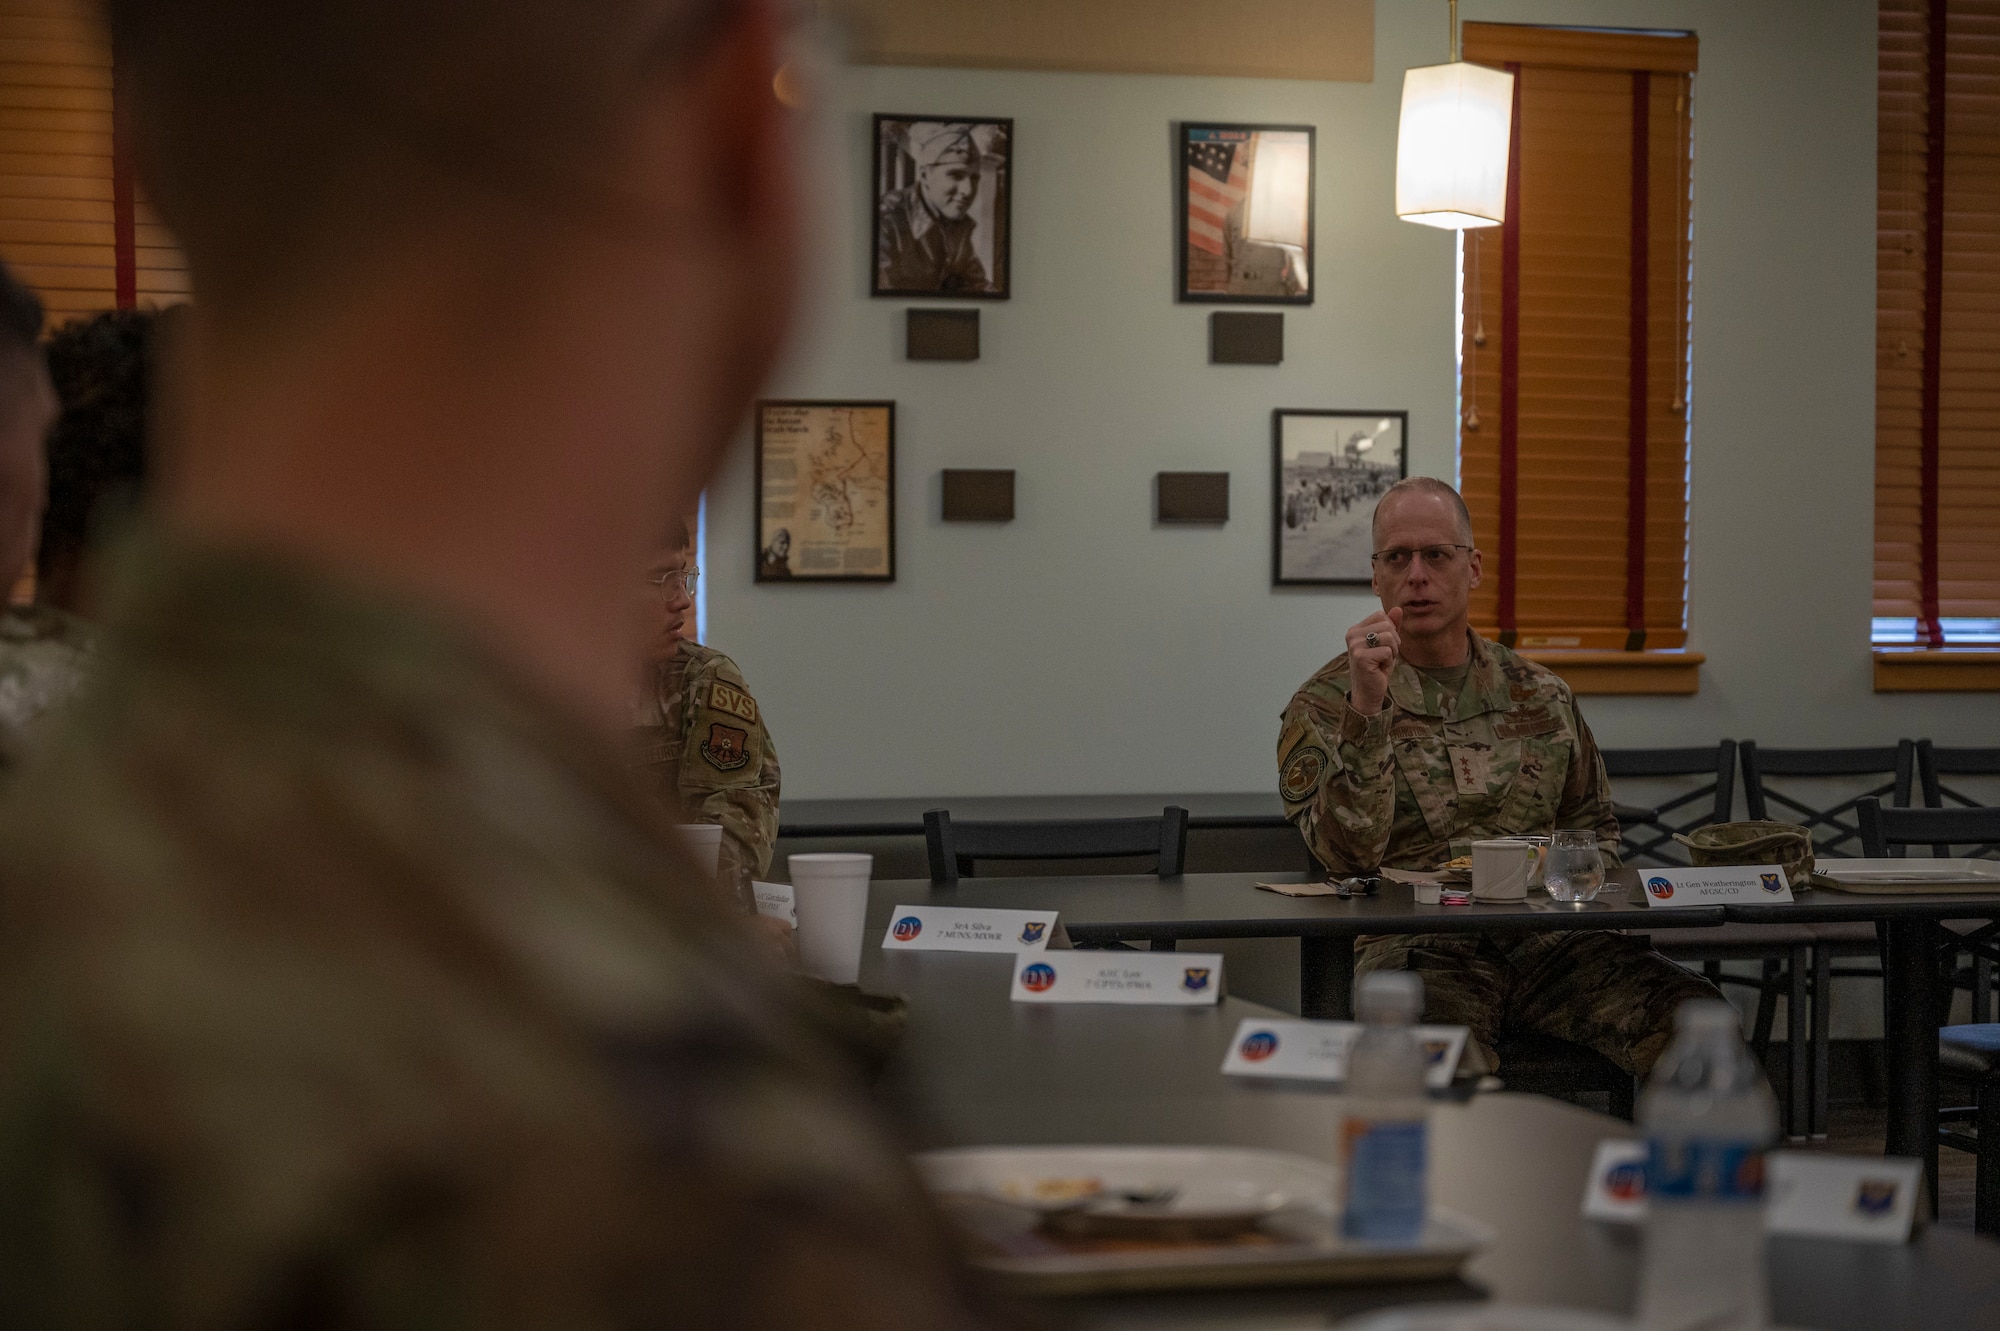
(1624, 672)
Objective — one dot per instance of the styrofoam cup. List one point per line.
(703, 844)
(830, 894)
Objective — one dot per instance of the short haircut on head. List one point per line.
(1427, 485)
(281, 139)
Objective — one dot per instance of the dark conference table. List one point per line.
(905, 817)
(982, 1070)
(1167, 911)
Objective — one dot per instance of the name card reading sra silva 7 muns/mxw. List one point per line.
(949, 929)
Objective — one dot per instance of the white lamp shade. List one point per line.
(1451, 151)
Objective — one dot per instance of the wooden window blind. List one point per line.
(73, 223)
(1573, 449)
(1937, 284)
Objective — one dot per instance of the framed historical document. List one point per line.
(826, 492)
(943, 199)
(1331, 469)
(1246, 229)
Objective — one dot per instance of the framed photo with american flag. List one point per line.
(1246, 232)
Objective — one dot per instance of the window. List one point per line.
(1937, 375)
(1573, 439)
(73, 224)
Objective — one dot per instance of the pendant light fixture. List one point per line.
(1451, 148)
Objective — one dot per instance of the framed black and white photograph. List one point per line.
(1332, 467)
(943, 200)
(1246, 232)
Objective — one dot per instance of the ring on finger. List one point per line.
(1372, 640)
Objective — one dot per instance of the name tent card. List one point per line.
(956, 929)
(1317, 1050)
(1716, 885)
(1179, 979)
(1809, 1194)
(776, 901)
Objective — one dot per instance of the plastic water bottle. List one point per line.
(1708, 1118)
(1385, 1120)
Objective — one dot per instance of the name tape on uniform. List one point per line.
(1807, 1193)
(1183, 979)
(776, 901)
(1714, 886)
(950, 929)
(1317, 1050)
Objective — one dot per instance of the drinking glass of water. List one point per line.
(1575, 869)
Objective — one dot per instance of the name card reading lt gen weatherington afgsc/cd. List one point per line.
(948, 929)
(1717, 885)
(1182, 979)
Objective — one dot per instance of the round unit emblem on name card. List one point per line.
(1659, 889)
(907, 928)
(1258, 1046)
(1038, 977)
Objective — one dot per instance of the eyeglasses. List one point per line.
(1435, 557)
(664, 583)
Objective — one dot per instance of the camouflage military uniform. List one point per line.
(702, 738)
(348, 981)
(1414, 785)
(43, 656)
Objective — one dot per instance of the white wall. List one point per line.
(1083, 649)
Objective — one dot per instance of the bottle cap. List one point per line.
(1706, 1014)
(1389, 996)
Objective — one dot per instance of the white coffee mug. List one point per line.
(830, 895)
(1500, 869)
(1541, 846)
(703, 844)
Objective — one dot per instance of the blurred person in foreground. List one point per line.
(697, 733)
(347, 978)
(44, 652)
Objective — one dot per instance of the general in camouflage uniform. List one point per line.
(347, 980)
(1413, 786)
(701, 739)
(44, 655)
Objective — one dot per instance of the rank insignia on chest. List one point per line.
(735, 702)
(1471, 769)
(726, 747)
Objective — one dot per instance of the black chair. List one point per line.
(1965, 1053)
(1933, 763)
(1970, 1056)
(954, 847)
(1836, 829)
(1646, 834)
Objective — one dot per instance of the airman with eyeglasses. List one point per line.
(1424, 737)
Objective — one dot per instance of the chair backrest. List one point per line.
(1934, 763)
(1888, 832)
(1648, 833)
(1836, 829)
(954, 846)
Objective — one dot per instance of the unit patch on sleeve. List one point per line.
(726, 747)
(735, 702)
(1301, 775)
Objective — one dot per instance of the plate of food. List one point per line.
(1089, 1219)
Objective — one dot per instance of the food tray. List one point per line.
(1908, 877)
(1294, 1241)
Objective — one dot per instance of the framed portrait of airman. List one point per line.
(826, 491)
(943, 207)
(1246, 225)
(1332, 468)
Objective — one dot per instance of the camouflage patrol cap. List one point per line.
(1785, 844)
